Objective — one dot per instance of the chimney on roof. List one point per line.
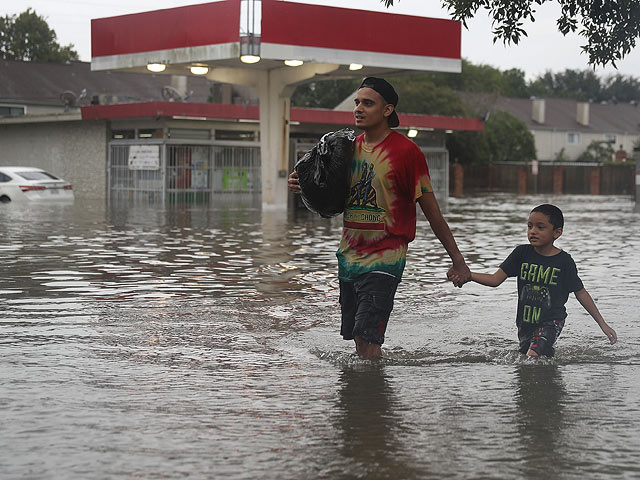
(537, 110)
(582, 113)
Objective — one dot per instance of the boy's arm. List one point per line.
(489, 279)
(590, 306)
(459, 273)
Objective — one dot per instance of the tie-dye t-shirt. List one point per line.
(380, 216)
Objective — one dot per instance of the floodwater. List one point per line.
(203, 343)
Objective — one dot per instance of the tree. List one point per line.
(324, 93)
(515, 84)
(610, 27)
(621, 88)
(28, 37)
(505, 138)
(468, 148)
(574, 84)
(481, 79)
(418, 94)
(473, 78)
(586, 86)
(597, 151)
(509, 138)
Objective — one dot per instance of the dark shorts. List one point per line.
(540, 339)
(366, 305)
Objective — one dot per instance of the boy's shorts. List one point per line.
(366, 304)
(540, 339)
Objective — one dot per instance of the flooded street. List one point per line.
(204, 343)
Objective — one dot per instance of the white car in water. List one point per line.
(29, 183)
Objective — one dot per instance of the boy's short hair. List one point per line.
(554, 213)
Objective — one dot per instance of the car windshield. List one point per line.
(37, 176)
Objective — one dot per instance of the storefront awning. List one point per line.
(211, 111)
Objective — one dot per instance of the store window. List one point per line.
(123, 134)
(237, 135)
(190, 133)
(149, 133)
(11, 110)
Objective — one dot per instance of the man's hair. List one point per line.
(554, 213)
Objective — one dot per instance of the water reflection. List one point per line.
(370, 428)
(540, 399)
(274, 255)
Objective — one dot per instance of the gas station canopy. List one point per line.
(273, 46)
(217, 34)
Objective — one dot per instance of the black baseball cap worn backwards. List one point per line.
(387, 92)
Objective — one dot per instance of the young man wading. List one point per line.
(389, 175)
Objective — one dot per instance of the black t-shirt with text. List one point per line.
(544, 284)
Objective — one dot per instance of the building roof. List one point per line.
(42, 83)
(561, 114)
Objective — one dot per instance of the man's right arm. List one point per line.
(459, 273)
(294, 183)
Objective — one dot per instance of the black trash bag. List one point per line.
(325, 173)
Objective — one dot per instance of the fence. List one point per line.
(182, 174)
(576, 178)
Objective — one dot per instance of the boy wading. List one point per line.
(389, 175)
(544, 284)
(546, 276)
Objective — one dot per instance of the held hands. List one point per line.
(459, 274)
(294, 183)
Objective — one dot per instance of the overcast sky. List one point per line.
(544, 48)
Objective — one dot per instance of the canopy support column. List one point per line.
(274, 88)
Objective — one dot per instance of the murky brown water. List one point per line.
(204, 343)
